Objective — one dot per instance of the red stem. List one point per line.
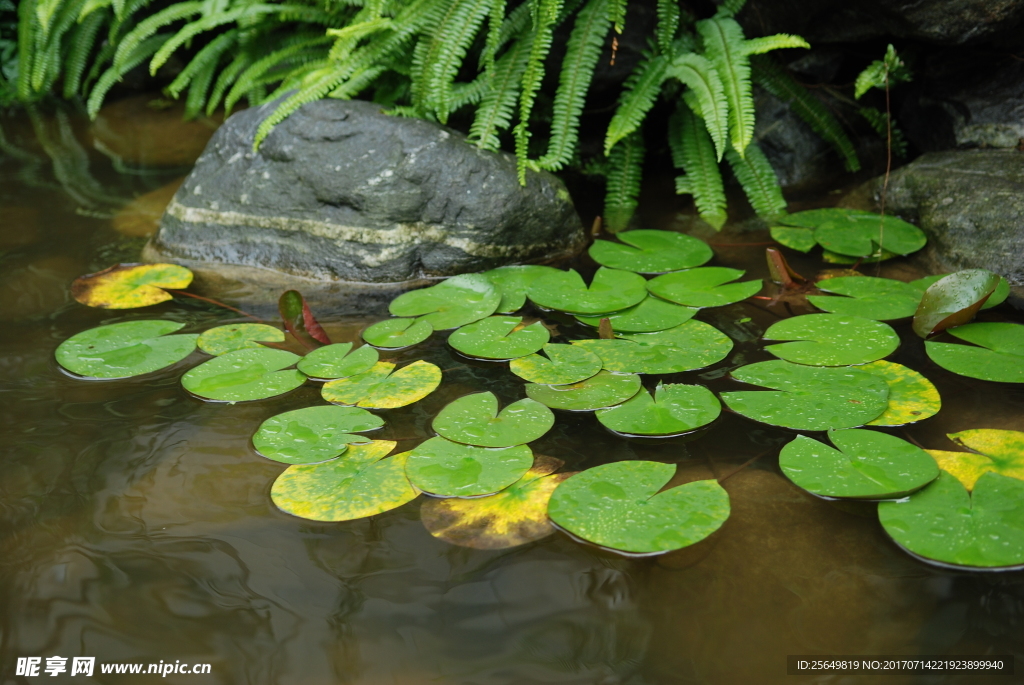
(215, 302)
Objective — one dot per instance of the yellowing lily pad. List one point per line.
(475, 420)
(238, 336)
(953, 300)
(999, 451)
(831, 340)
(126, 286)
(499, 337)
(451, 303)
(384, 388)
(514, 282)
(652, 314)
(244, 375)
(605, 389)
(338, 361)
(314, 434)
(881, 299)
(122, 350)
(999, 355)
(394, 334)
(912, 397)
(651, 252)
(449, 469)
(706, 286)
(675, 409)
(610, 291)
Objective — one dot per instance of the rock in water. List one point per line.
(340, 191)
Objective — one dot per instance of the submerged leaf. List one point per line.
(831, 340)
(881, 299)
(499, 337)
(651, 252)
(610, 291)
(999, 451)
(451, 303)
(953, 300)
(394, 334)
(122, 350)
(475, 420)
(652, 314)
(126, 286)
(912, 397)
(313, 434)
(706, 286)
(244, 375)
(674, 410)
(449, 469)
(564, 364)
(338, 361)
(602, 390)
(999, 356)
(238, 336)
(514, 282)
(383, 388)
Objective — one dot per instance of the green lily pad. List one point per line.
(563, 364)
(126, 286)
(362, 483)
(855, 233)
(628, 356)
(953, 300)
(610, 291)
(474, 420)
(384, 388)
(394, 334)
(338, 361)
(831, 340)
(695, 343)
(945, 523)
(999, 451)
(652, 314)
(123, 350)
(999, 296)
(238, 336)
(912, 397)
(515, 516)
(602, 390)
(514, 282)
(800, 239)
(651, 252)
(674, 410)
(314, 434)
(808, 397)
(451, 303)
(449, 469)
(999, 357)
(881, 299)
(499, 337)
(619, 506)
(244, 375)
(866, 465)
(706, 286)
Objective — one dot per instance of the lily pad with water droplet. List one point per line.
(451, 303)
(611, 290)
(706, 286)
(123, 350)
(394, 334)
(605, 389)
(626, 356)
(244, 375)
(563, 364)
(999, 451)
(475, 420)
(831, 340)
(881, 299)
(619, 506)
(808, 397)
(912, 397)
(864, 465)
(945, 523)
(314, 434)
(384, 388)
(652, 314)
(515, 516)
(953, 300)
(497, 337)
(450, 469)
(361, 483)
(651, 251)
(126, 286)
(338, 361)
(675, 409)
(998, 296)
(514, 282)
(999, 355)
(238, 336)
(800, 239)
(696, 342)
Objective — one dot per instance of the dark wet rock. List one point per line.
(799, 156)
(340, 192)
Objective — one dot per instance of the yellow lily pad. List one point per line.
(383, 388)
(912, 397)
(126, 286)
(999, 451)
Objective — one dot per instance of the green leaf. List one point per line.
(597, 392)
(706, 286)
(611, 290)
(701, 343)
(622, 181)
(564, 364)
(338, 361)
(856, 233)
(800, 239)
(127, 286)
(866, 465)
(652, 314)
(237, 336)
(513, 282)
(452, 303)
(122, 350)
(299, 320)
(808, 397)
(314, 434)
(691, 345)
(674, 410)
(638, 96)
(448, 469)
(384, 388)
(912, 397)
(705, 82)
(758, 180)
(831, 340)
(725, 48)
(651, 252)
(394, 334)
(694, 151)
(619, 506)
(875, 257)
(953, 300)
(944, 523)
(1002, 290)
(998, 451)
(499, 337)
(244, 375)
(475, 420)
(999, 357)
(881, 299)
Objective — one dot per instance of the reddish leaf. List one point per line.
(299, 320)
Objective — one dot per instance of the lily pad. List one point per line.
(706, 286)
(999, 356)
(362, 483)
(695, 343)
(627, 356)
(953, 300)
(619, 506)
(610, 291)
(999, 296)
(451, 303)
(123, 350)
(875, 257)
(126, 286)
(602, 390)
(238, 336)
(499, 337)
(244, 375)
(384, 388)
(831, 340)
(999, 451)
(945, 523)
(394, 334)
(314, 434)
(866, 465)
(800, 239)
(515, 516)
(475, 420)
(857, 233)
(881, 299)
(449, 469)
(674, 410)
(651, 252)
(912, 397)
(514, 282)
(563, 364)
(652, 314)
(338, 361)
(808, 397)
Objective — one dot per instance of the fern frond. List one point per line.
(730, 8)
(200, 83)
(668, 25)
(545, 15)
(210, 53)
(150, 25)
(468, 93)
(61, 19)
(638, 95)
(356, 84)
(724, 46)
(617, 14)
(81, 44)
(495, 19)
(759, 182)
(625, 171)
(142, 51)
(703, 179)
(448, 47)
(26, 41)
(254, 72)
(320, 86)
(759, 46)
(494, 114)
(882, 126)
(93, 6)
(703, 80)
(227, 76)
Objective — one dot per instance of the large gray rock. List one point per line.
(340, 192)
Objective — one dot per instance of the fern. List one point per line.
(881, 125)
(320, 86)
(544, 14)
(706, 86)
(498, 105)
(723, 45)
(141, 52)
(147, 27)
(448, 48)
(250, 76)
(623, 182)
(758, 180)
(209, 55)
(82, 42)
(639, 93)
(617, 14)
(200, 84)
(668, 24)
(703, 179)
(730, 8)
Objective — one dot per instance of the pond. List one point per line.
(137, 523)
